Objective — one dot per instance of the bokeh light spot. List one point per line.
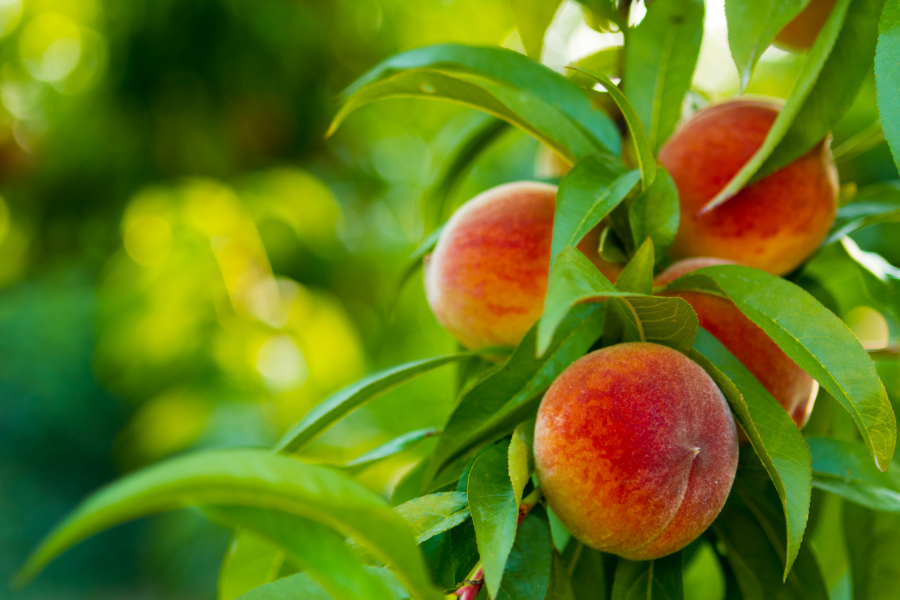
(281, 363)
(148, 240)
(50, 46)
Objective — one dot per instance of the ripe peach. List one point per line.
(487, 278)
(801, 33)
(788, 383)
(774, 224)
(635, 449)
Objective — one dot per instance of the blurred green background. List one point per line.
(186, 262)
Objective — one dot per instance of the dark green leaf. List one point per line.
(771, 431)
(836, 88)
(251, 478)
(492, 501)
(642, 147)
(887, 76)
(588, 572)
(560, 580)
(527, 573)
(637, 276)
(587, 194)
(529, 112)
(499, 402)
(339, 404)
(391, 448)
(513, 68)
(533, 17)
(660, 58)
(751, 526)
(878, 203)
(813, 338)
(752, 26)
(654, 214)
(521, 457)
(806, 81)
(249, 562)
(303, 586)
(659, 579)
(318, 549)
(873, 543)
(434, 514)
(844, 468)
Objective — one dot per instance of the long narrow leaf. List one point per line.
(887, 76)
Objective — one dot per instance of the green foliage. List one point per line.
(844, 469)
(659, 579)
(654, 214)
(533, 17)
(886, 77)
(872, 541)
(431, 515)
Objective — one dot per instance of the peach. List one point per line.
(773, 224)
(635, 449)
(487, 278)
(801, 33)
(788, 383)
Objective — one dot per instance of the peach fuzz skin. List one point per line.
(788, 383)
(774, 224)
(635, 449)
(802, 31)
(487, 278)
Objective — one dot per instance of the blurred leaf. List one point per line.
(873, 541)
(303, 586)
(250, 478)
(601, 12)
(752, 26)
(413, 264)
(887, 77)
(533, 17)
(341, 403)
(637, 276)
(878, 203)
(661, 55)
(836, 88)
(803, 88)
(812, 337)
(771, 432)
(659, 579)
(521, 457)
(500, 401)
(250, 562)
(560, 581)
(527, 572)
(318, 549)
(643, 149)
(604, 61)
(751, 526)
(561, 535)
(654, 214)
(587, 194)
(434, 514)
(507, 66)
(844, 468)
(391, 448)
(588, 572)
(495, 512)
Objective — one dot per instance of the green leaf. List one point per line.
(660, 59)
(500, 64)
(521, 457)
(642, 147)
(637, 276)
(659, 579)
(654, 214)
(507, 396)
(843, 468)
(318, 549)
(303, 586)
(588, 572)
(250, 478)
(391, 448)
(813, 338)
(752, 26)
(527, 572)
(249, 562)
(341, 403)
(806, 81)
(495, 511)
(873, 543)
(413, 264)
(667, 321)
(560, 581)
(587, 194)
(751, 526)
(561, 536)
(771, 432)
(434, 514)
(533, 17)
(835, 89)
(877, 203)
(887, 76)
